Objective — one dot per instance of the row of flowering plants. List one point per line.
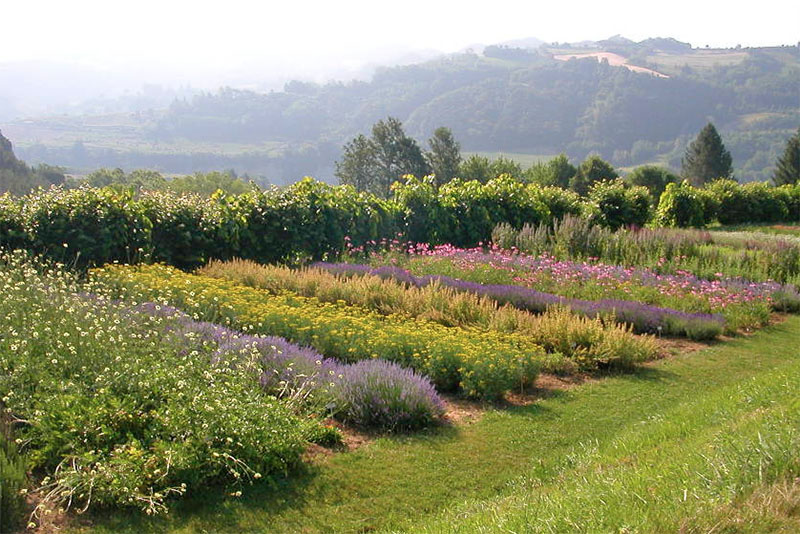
(754, 256)
(744, 305)
(123, 404)
(471, 361)
(579, 339)
(644, 318)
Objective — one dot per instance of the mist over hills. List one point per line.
(521, 96)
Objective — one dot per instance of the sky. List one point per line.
(197, 37)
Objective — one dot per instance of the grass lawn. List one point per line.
(680, 443)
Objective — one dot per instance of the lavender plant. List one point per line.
(377, 393)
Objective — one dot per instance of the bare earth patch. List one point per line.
(614, 60)
(463, 412)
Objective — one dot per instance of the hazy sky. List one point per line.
(205, 36)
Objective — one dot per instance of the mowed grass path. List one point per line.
(647, 425)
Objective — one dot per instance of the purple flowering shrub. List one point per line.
(377, 393)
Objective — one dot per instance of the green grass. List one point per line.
(610, 454)
(790, 229)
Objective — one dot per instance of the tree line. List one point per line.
(527, 103)
(374, 163)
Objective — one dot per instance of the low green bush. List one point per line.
(12, 483)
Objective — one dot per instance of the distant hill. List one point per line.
(17, 178)
(509, 98)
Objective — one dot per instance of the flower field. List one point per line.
(130, 387)
(177, 405)
(642, 317)
(473, 361)
(753, 256)
(743, 305)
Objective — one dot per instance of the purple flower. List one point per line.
(377, 393)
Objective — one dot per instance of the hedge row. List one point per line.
(729, 202)
(310, 220)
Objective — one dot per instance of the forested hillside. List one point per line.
(504, 99)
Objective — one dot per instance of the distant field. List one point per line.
(122, 133)
(658, 161)
(703, 59)
(525, 160)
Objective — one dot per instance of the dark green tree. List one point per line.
(556, 172)
(374, 164)
(8, 160)
(788, 171)
(591, 170)
(358, 166)
(483, 169)
(444, 156)
(706, 158)
(105, 177)
(654, 178)
(50, 174)
(477, 168)
(504, 165)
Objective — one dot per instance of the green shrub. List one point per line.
(791, 194)
(87, 226)
(474, 209)
(424, 219)
(187, 230)
(752, 202)
(680, 205)
(613, 204)
(560, 202)
(12, 482)
(655, 179)
(12, 224)
(309, 219)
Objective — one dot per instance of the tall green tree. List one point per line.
(592, 169)
(482, 169)
(788, 171)
(706, 158)
(358, 166)
(444, 156)
(556, 172)
(504, 165)
(476, 167)
(654, 178)
(374, 164)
